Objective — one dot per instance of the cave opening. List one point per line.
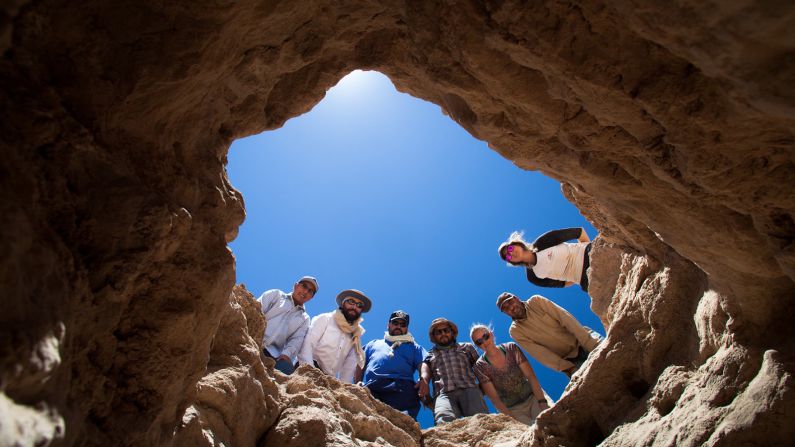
(377, 190)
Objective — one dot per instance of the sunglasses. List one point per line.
(508, 250)
(358, 304)
(399, 323)
(480, 340)
(442, 330)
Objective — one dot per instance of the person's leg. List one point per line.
(398, 394)
(443, 409)
(413, 411)
(285, 366)
(471, 401)
(523, 411)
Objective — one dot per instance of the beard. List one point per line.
(351, 314)
(449, 342)
(397, 331)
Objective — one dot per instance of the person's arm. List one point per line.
(541, 353)
(472, 353)
(490, 391)
(538, 393)
(268, 299)
(316, 329)
(555, 237)
(545, 282)
(348, 370)
(295, 340)
(567, 320)
(423, 385)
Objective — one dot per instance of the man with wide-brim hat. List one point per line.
(287, 320)
(334, 340)
(449, 366)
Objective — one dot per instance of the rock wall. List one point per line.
(669, 126)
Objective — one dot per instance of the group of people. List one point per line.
(453, 377)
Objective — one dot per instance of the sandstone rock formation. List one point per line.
(240, 400)
(669, 125)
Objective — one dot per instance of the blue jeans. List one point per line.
(285, 366)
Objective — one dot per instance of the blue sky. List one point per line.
(379, 191)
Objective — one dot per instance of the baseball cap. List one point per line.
(399, 315)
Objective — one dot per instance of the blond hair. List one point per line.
(476, 326)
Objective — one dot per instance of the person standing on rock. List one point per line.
(389, 367)
(507, 378)
(334, 340)
(551, 261)
(548, 332)
(287, 321)
(449, 365)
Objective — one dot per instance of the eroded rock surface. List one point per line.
(236, 399)
(670, 126)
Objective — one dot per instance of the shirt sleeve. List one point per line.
(480, 372)
(517, 353)
(567, 320)
(348, 366)
(268, 299)
(543, 282)
(472, 353)
(555, 237)
(540, 353)
(316, 329)
(296, 340)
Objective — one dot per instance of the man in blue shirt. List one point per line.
(390, 364)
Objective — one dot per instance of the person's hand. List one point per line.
(422, 388)
(285, 358)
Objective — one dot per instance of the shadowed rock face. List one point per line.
(669, 126)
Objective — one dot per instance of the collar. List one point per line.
(300, 306)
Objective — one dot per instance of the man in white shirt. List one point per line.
(287, 321)
(334, 340)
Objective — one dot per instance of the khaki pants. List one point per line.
(526, 412)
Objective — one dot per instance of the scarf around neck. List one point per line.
(398, 340)
(356, 332)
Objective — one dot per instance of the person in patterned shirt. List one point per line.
(449, 366)
(507, 378)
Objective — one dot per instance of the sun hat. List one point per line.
(438, 322)
(353, 293)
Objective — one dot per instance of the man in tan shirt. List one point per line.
(548, 332)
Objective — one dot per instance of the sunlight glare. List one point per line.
(357, 85)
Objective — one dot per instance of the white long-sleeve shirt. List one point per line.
(331, 348)
(287, 323)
